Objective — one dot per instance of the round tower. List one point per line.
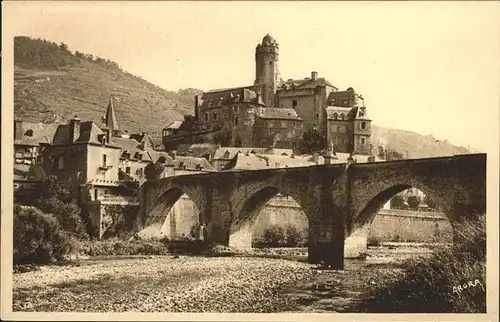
(266, 69)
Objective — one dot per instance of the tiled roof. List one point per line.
(155, 155)
(174, 125)
(332, 110)
(132, 147)
(192, 163)
(261, 161)
(306, 83)
(280, 113)
(233, 89)
(228, 153)
(89, 133)
(41, 133)
(230, 96)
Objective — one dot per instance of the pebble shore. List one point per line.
(160, 284)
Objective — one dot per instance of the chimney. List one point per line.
(314, 75)
(74, 129)
(18, 130)
(173, 154)
(381, 152)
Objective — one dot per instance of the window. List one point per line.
(206, 116)
(334, 128)
(127, 170)
(235, 108)
(235, 120)
(317, 115)
(346, 102)
(335, 116)
(283, 123)
(336, 140)
(60, 163)
(362, 140)
(269, 124)
(106, 192)
(104, 159)
(96, 193)
(362, 125)
(214, 115)
(341, 117)
(294, 103)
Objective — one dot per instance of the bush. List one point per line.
(115, 247)
(373, 241)
(38, 237)
(277, 236)
(430, 284)
(293, 236)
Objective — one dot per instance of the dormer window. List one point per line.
(335, 116)
(226, 155)
(341, 117)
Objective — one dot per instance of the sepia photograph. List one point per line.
(311, 159)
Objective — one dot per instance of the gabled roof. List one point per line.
(156, 155)
(228, 153)
(280, 113)
(332, 111)
(306, 83)
(40, 133)
(132, 147)
(192, 163)
(230, 96)
(89, 133)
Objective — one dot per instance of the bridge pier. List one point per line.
(327, 232)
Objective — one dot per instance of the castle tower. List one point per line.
(266, 69)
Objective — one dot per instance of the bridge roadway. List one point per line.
(337, 198)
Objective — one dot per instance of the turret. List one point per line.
(266, 69)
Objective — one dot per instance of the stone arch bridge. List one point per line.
(336, 198)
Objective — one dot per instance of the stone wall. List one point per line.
(410, 226)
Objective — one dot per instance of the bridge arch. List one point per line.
(162, 219)
(366, 212)
(247, 211)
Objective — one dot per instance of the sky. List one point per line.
(432, 68)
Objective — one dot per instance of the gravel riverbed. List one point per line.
(160, 284)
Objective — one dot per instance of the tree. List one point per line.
(53, 198)
(189, 123)
(63, 47)
(153, 171)
(397, 202)
(430, 202)
(413, 202)
(38, 237)
(312, 142)
(293, 236)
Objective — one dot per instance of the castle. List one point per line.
(276, 113)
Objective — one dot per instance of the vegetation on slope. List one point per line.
(52, 85)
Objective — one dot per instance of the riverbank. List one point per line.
(203, 284)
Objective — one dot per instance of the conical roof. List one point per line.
(111, 120)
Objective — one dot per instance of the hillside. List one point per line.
(52, 84)
(416, 145)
